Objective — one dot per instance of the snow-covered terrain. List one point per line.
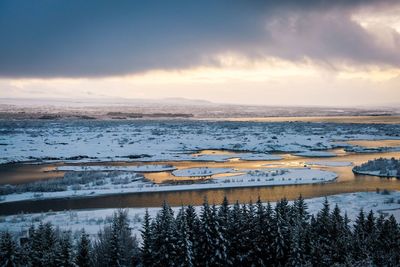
(226, 157)
(380, 167)
(330, 163)
(361, 149)
(139, 168)
(284, 176)
(86, 141)
(251, 178)
(200, 172)
(94, 220)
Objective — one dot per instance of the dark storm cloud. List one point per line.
(100, 38)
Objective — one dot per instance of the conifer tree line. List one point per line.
(238, 235)
(47, 246)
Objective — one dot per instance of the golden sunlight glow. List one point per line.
(233, 80)
(373, 74)
(230, 69)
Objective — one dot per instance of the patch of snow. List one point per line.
(284, 176)
(200, 172)
(139, 168)
(258, 156)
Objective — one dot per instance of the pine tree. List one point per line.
(65, 257)
(269, 234)
(165, 237)
(339, 237)
(83, 251)
(223, 224)
(36, 246)
(380, 250)
(147, 244)
(360, 249)
(114, 246)
(297, 249)
(280, 241)
(299, 225)
(389, 241)
(184, 246)
(234, 235)
(212, 247)
(221, 243)
(127, 243)
(300, 210)
(50, 245)
(194, 234)
(25, 248)
(101, 250)
(248, 234)
(281, 228)
(262, 230)
(8, 251)
(322, 248)
(371, 233)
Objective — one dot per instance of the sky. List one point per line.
(263, 52)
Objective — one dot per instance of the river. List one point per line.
(346, 182)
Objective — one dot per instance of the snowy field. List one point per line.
(86, 141)
(93, 220)
(251, 178)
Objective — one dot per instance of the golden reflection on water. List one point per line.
(287, 161)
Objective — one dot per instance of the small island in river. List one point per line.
(380, 167)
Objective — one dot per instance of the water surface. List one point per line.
(347, 182)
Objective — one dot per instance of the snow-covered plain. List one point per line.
(251, 178)
(94, 220)
(88, 141)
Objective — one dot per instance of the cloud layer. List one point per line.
(50, 38)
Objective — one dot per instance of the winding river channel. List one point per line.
(346, 182)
